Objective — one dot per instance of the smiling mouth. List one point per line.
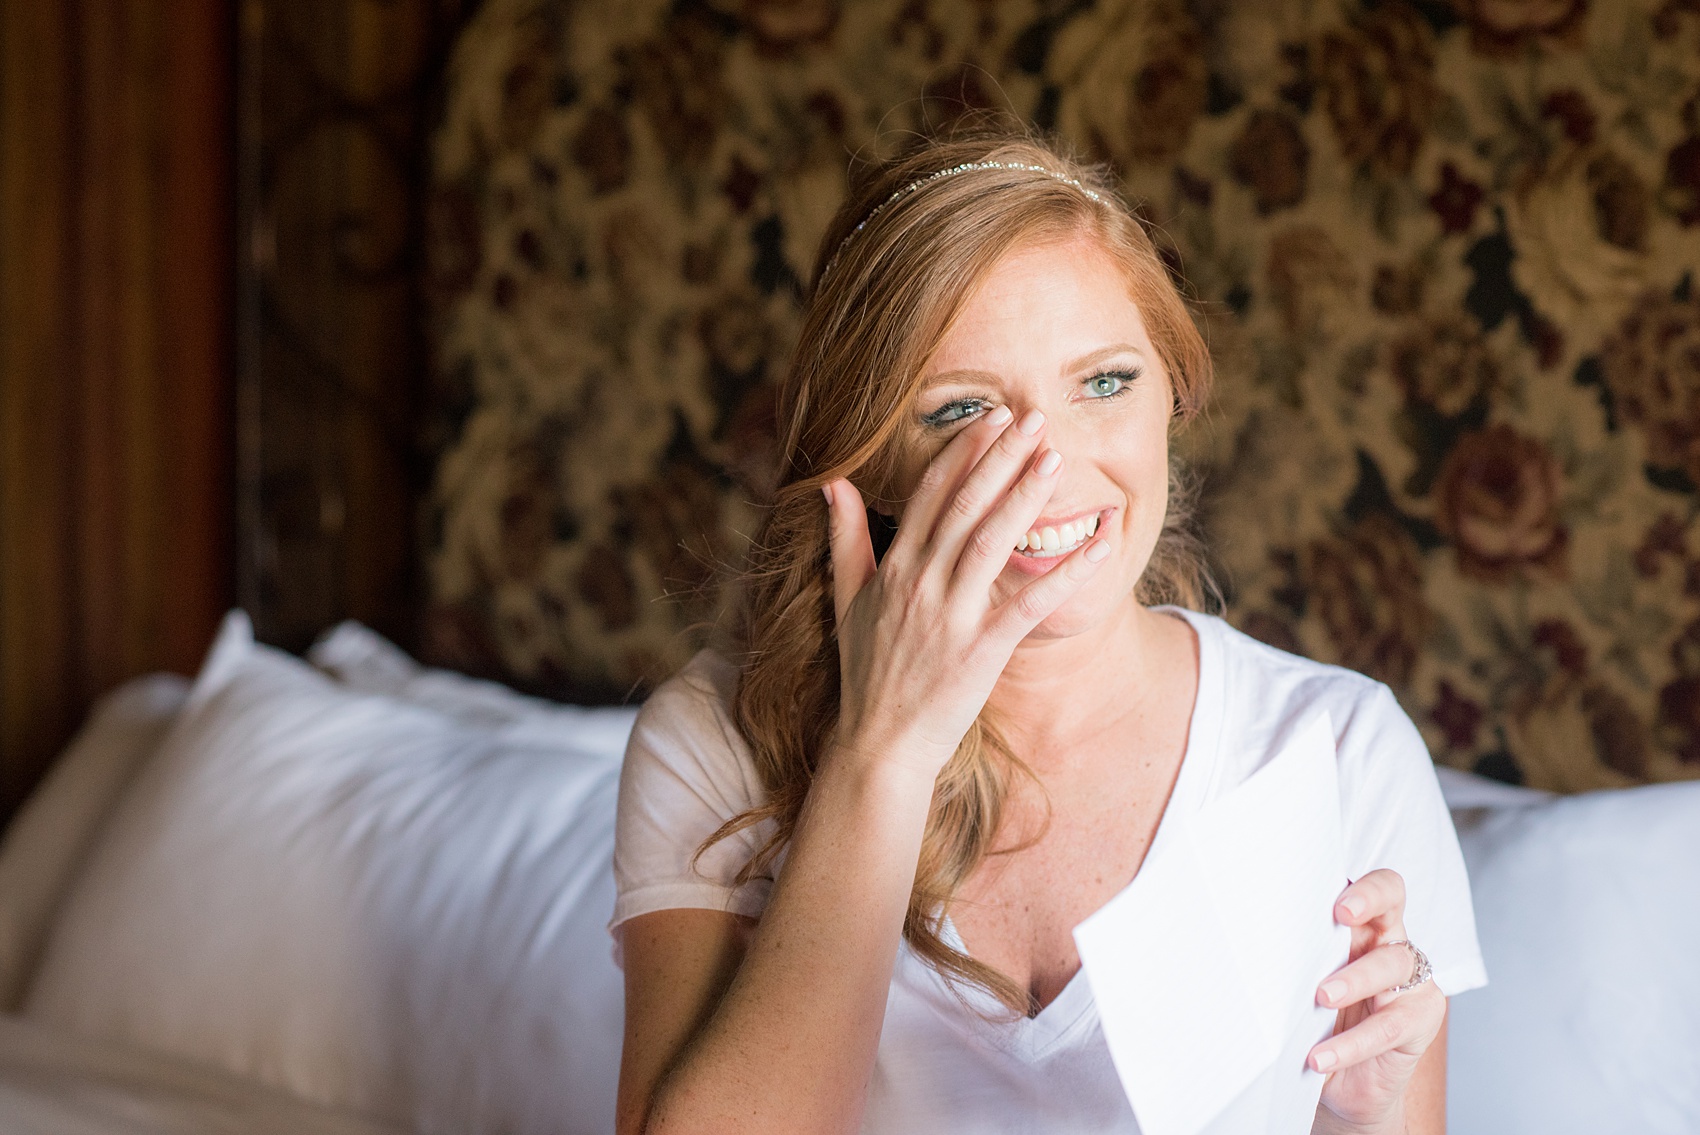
(1050, 542)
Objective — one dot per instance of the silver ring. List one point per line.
(1420, 969)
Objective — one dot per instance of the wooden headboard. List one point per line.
(210, 348)
(116, 347)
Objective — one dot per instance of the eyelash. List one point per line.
(1127, 377)
(939, 419)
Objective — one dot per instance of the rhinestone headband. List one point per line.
(921, 183)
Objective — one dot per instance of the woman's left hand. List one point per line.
(1380, 1035)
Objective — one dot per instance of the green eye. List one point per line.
(952, 412)
(1110, 383)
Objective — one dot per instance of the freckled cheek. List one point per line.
(1138, 465)
(1151, 475)
(907, 466)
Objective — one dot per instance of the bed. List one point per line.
(55, 1084)
(350, 894)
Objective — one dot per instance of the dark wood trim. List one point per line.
(116, 354)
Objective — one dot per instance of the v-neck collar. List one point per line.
(1073, 1006)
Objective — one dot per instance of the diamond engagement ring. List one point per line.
(1420, 971)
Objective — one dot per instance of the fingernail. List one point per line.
(1030, 422)
(826, 491)
(999, 416)
(1353, 906)
(1332, 991)
(1049, 463)
(1095, 553)
(1324, 1060)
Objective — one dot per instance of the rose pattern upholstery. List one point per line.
(1444, 253)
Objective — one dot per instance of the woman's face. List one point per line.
(1052, 328)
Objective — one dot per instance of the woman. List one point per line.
(849, 862)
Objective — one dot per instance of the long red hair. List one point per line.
(869, 327)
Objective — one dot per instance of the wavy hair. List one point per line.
(901, 270)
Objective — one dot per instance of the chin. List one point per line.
(1066, 623)
(1099, 602)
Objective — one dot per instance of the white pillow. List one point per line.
(363, 900)
(51, 834)
(364, 660)
(1588, 910)
(54, 1084)
(1462, 790)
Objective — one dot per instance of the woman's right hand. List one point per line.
(921, 640)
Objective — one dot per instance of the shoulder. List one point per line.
(1266, 688)
(706, 682)
(1263, 695)
(1392, 813)
(685, 739)
(687, 772)
(695, 704)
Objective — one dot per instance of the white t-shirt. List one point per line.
(952, 1060)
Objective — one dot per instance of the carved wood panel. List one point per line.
(335, 100)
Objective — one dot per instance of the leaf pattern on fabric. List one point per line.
(1444, 254)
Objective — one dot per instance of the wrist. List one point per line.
(888, 757)
(879, 768)
(1327, 1123)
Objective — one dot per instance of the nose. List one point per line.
(1060, 431)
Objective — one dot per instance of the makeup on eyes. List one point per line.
(1127, 377)
(961, 409)
(956, 410)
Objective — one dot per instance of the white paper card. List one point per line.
(1205, 967)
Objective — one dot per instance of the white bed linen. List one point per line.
(54, 1084)
(45, 846)
(358, 899)
(1589, 911)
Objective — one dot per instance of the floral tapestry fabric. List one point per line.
(1444, 254)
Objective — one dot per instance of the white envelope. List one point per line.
(1205, 967)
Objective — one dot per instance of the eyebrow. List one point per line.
(1075, 366)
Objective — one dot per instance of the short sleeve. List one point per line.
(686, 772)
(1396, 818)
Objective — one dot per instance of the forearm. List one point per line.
(791, 1045)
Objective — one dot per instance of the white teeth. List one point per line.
(1061, 538)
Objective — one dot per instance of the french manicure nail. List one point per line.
(1354, 906)
(1030, 422)
(826, 491)
(1332, 991)
(1049, 463)
(999, 416)
(1097, 551)
(1324, 1060)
